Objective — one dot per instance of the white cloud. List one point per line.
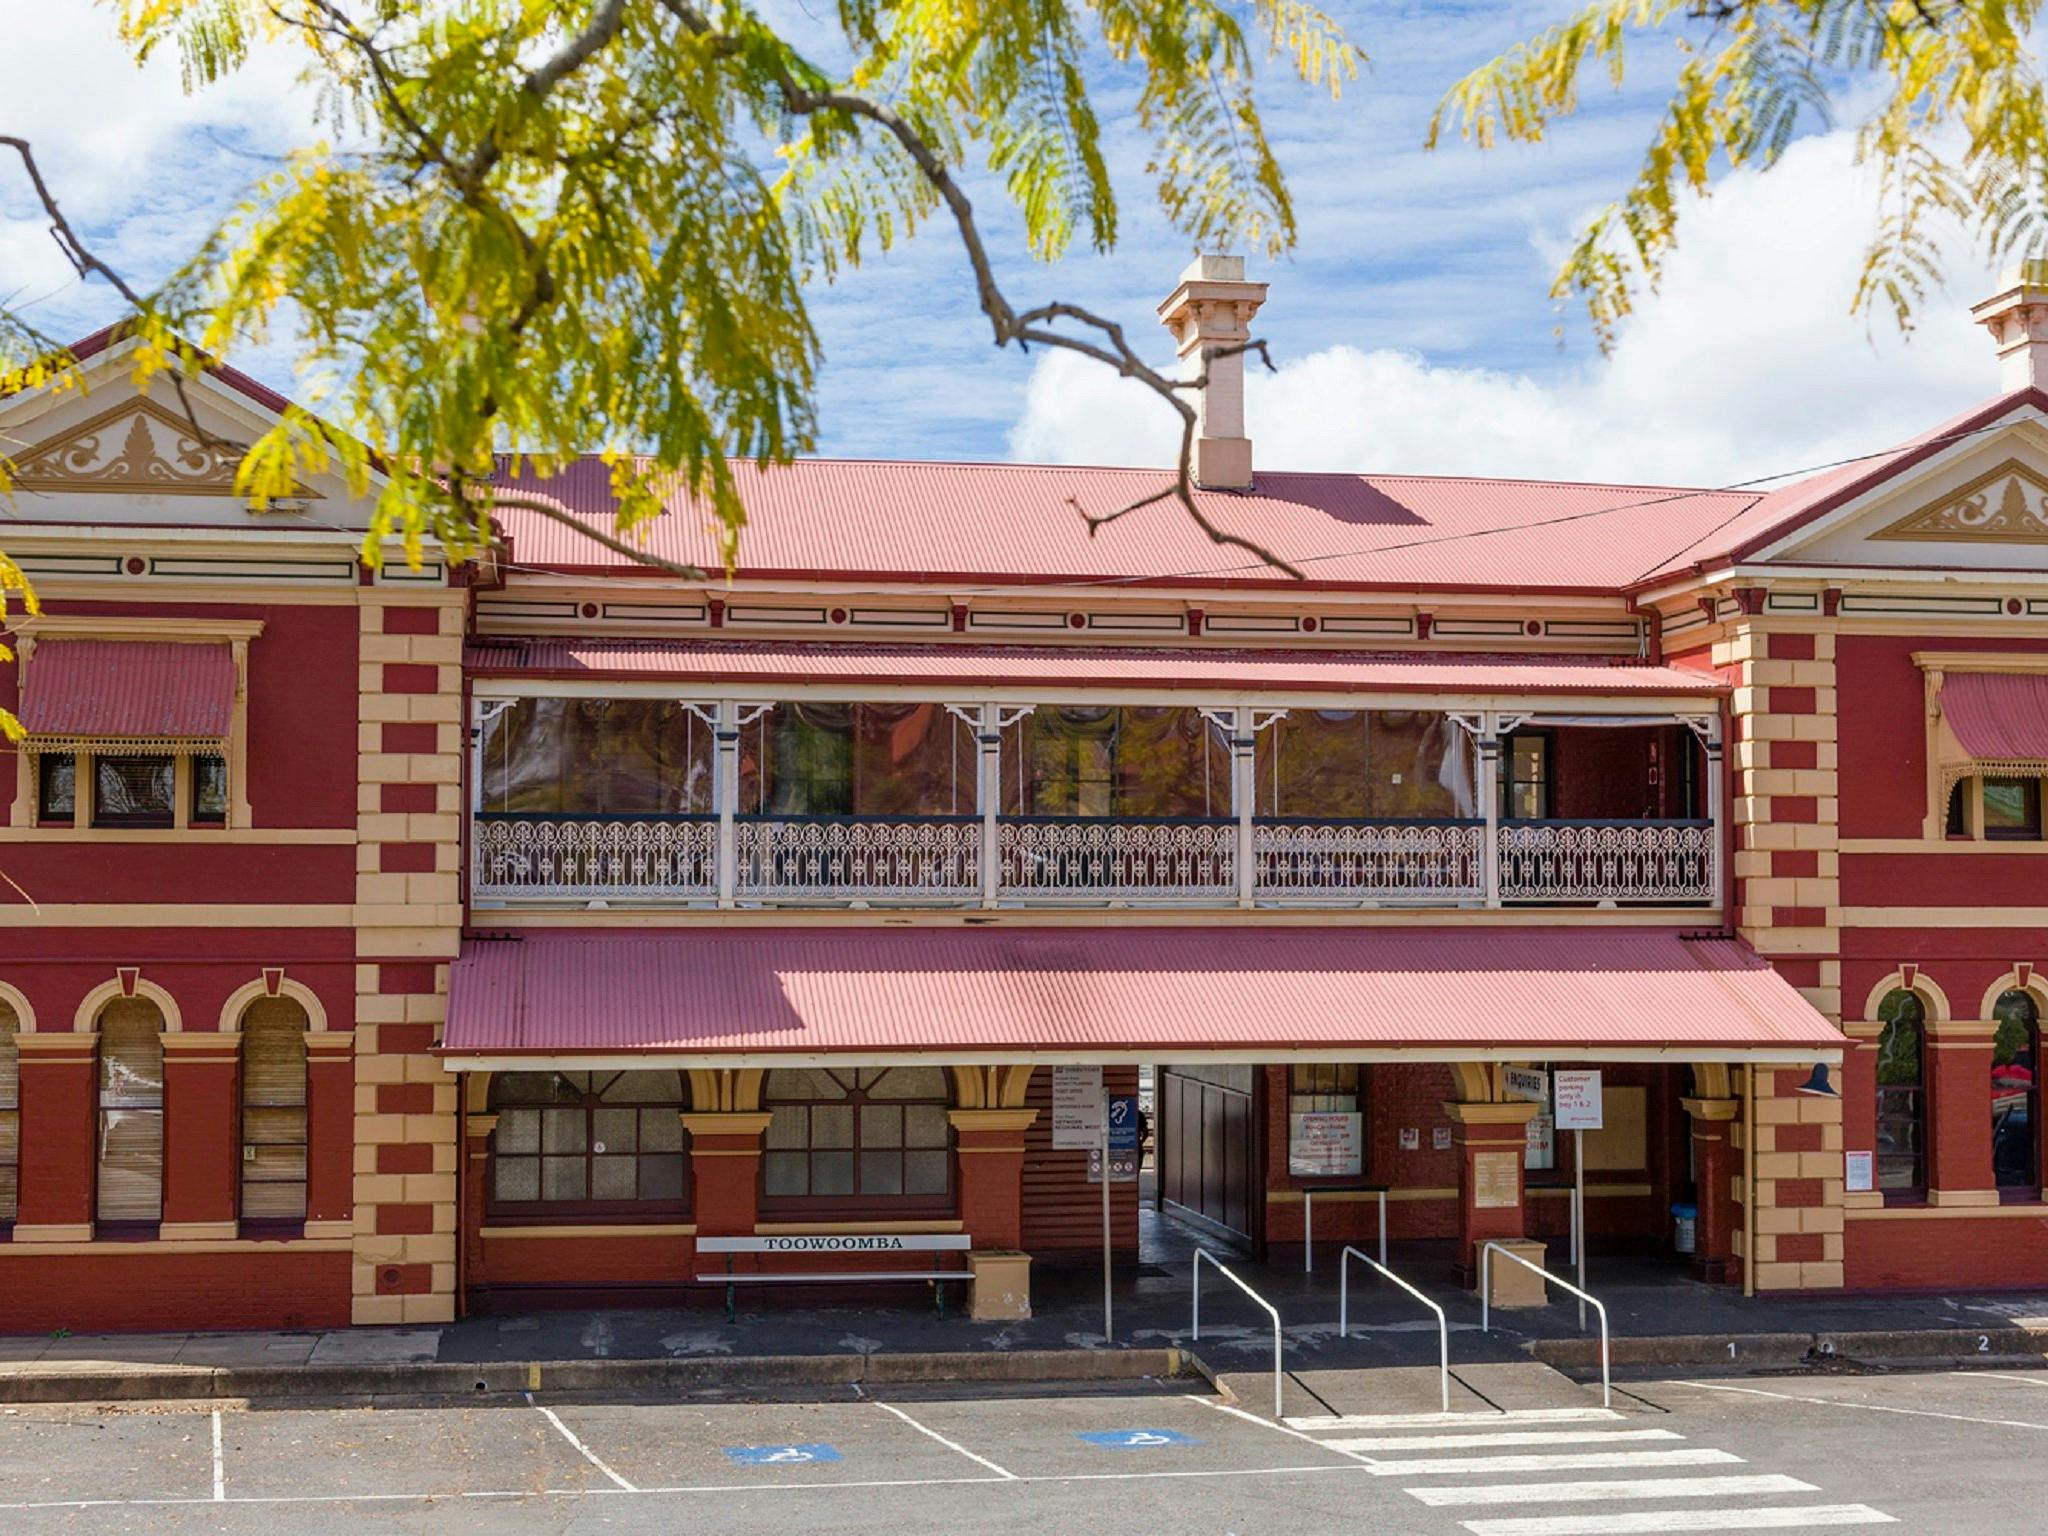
(1746, 362)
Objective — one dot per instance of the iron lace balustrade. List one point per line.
(910, 859)
(1312, 860)
(1118, 858)
(1664, 862)
(577, 855)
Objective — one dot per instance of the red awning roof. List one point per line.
(1998, 716)
(129, 690)
(982, 994)
(715, 661)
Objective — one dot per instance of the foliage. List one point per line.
(538, 222)
(1958, 132)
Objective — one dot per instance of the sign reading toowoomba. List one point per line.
(837, 1242)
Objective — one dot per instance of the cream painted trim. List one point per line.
(992, 1119)
(1949, 845)
(2031, 1210)
(249, 992)
(56, 1237)
(131, 627)
(343, 1228)
(143, 914)
(1144, 1055)
(147, 1249)
(1338, 1197)
(24, 1014)
(1896, 982)
(183, 1232)
(1980, 661)
(2035, 987)
(87, 1016)
(1943, 917)
(843, 1228)
(623, 1229)
(725, 1122)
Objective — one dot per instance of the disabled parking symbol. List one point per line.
(781, 1455)
(1134, 1439)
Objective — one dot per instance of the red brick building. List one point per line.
(380, 944)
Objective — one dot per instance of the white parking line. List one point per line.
(220, 1471)
(1501, 1437)
(951, 1445)
(1431, 1420)
(583, 1450)
(1590, 1461)
(1654, 1522)
(1832, 1402)
(1626, 1488)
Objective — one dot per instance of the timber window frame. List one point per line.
(560, 1126)
(1902, 1105)
(860, 1137)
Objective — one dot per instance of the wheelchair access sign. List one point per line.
(1123, 1143)
(781, 1455)
(1134, 1439)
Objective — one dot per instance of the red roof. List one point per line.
(1997, 716)
(129, 689)
(1021, 523)
(1120, 988)
(1078, 666)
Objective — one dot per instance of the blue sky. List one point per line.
(1412, 322)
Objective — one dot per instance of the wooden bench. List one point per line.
(937, 1244)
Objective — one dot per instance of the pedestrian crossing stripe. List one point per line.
(1593, 1492)
(1657, 1522)
(1502, 1437)
(1576, 1461)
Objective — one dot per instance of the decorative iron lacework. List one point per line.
(857, 857)
(127, 746)
(1370, 860)
(1955, 771)
(595, 856)
(1116, 859)
(1641, 861)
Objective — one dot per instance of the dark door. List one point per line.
(1207, 1148)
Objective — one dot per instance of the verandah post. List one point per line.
(1488, 790)
(726, 792)
(1243, 789)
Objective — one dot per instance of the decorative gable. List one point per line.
(136, 445)
(2008, 505)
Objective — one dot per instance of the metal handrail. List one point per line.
(1271, 1311)
(1308, 1219)
(1486, 1254)
(1443, 1326)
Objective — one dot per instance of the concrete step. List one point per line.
(1386, 1390)
(1526, 1384)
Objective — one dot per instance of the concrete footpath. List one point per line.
(1658, 1320)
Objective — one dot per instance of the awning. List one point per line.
(170, 695)
(708, 663)
(1993, 723)
(976, 995)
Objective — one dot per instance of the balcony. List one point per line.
(1097, 807)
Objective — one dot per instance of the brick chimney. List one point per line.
(1213, 307)
(2017, 318)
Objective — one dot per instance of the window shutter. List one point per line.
(274, 1110)
(10, 1115)
(131, 1072)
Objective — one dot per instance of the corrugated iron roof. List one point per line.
(1146, 990)
(1009, 523)
(1998, 716)
(142, 689)
(1078, 666)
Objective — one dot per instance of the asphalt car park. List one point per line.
(1937, 1452)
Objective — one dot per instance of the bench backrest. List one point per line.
(839, 1242)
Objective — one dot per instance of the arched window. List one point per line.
(586, 1144)
(1902, 1096)
(2015, 1094)
(131, 1128)
(10, 1115)
(274, 1110)
(859, 1136)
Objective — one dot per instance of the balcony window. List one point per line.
(134, 792)
(604, 756)
(859, 760)
(1525, 778)
(2012, 809)
(1355, 764)
(1111, 760)
(56, 787)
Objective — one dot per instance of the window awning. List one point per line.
(1993, 723)
(168, 695)
(975, 995)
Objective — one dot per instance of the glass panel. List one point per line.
(57, 791)
(1313, 762)
(832, 1173)
(810, 760)
(209, 790)
(562, 1178)
(908, 1083)
(789, 1126)
(881, 1173)
(2014, 1065)
(832, 1125)
(924, 1173)
(1098, 760)
(784, 1173)
(661, 1130)
(283, 1200)
(1323, 1088)
(133, 791)
(518, 1130)
(10, 1191)
(528, 1088)
(564, 1130)
(274, 1127)
(2012, 808)
(131, 1165)
(612, 1178)
(518, 1177)
(10, 1135)
(924, 1125)
(801, 1084)
(615, 1130)
(623, 756)
(912, 759)
(881, 1125)
(661, 1178)
(644, 1088)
